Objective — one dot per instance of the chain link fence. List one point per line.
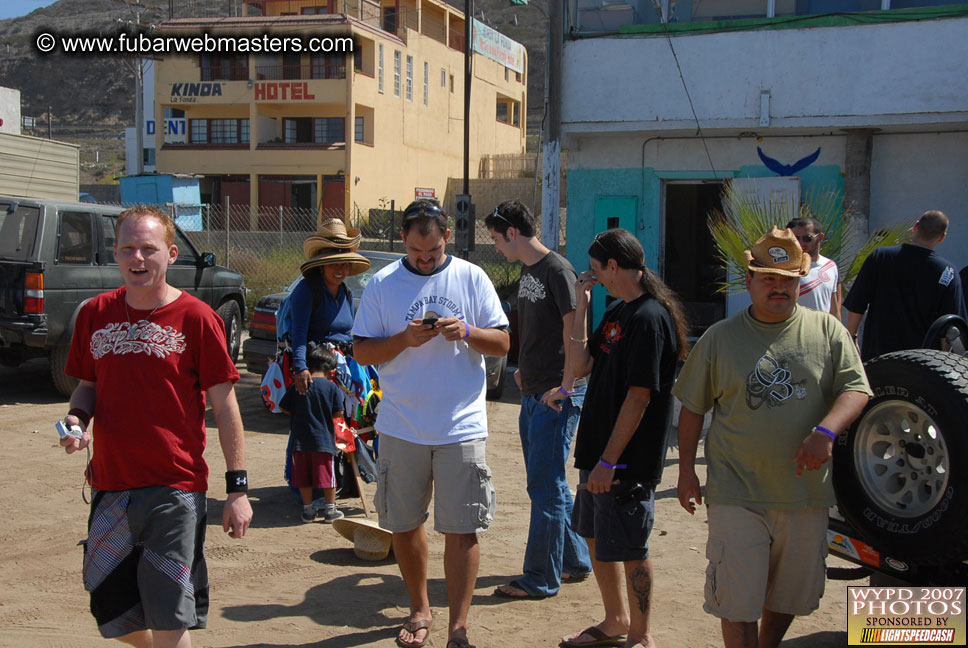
(265, 245)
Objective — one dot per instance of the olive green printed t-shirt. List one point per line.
(768, 385)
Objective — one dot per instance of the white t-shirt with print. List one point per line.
(820, 284)
(432, 394)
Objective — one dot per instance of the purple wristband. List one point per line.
(828, 432)
(565, 393)
(602, 462)
(467, 329)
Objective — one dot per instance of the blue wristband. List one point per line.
(602, 462)
(467, 328)
(828, 432)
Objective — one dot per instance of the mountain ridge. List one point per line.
(95, 94)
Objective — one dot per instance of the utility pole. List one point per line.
(464, 221)
(551, 152)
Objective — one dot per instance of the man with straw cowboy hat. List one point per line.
(783, 381)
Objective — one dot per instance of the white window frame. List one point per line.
(380, 70)
(397, 64)
(409, 78)
(426, 87)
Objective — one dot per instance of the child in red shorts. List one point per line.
(312, 432)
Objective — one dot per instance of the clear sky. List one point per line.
(15, 8)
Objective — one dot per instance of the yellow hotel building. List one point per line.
(336, 131)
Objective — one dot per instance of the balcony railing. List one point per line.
(301, 71)
(225, 73)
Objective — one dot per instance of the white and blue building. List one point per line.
(663, 101)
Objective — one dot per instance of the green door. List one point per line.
(610, 212)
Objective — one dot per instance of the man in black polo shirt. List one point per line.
(904, 289)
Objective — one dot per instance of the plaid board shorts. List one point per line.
(141, 575)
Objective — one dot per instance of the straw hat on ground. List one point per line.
(370, 542)
(778, 252)
(331, 233)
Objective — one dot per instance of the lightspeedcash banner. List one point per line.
(885, 616)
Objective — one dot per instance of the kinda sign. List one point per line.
(282, 91)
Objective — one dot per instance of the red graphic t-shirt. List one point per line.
(151, 371)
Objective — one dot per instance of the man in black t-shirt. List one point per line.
(621, 442)
(903, 289)
(546, 310)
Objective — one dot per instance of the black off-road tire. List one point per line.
(63, 383)
(901, 471)
(232, 318)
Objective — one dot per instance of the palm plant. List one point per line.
(744, 218)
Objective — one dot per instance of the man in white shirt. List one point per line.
(820, 289)
(428, 320)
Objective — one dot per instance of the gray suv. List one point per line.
(55, 256)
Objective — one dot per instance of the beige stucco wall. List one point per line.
(38, 168)
(408, 144)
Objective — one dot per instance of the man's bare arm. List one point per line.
(237, 512)
(688, 487)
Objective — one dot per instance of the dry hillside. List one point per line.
(91, 95)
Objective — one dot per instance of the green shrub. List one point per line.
(267, 273)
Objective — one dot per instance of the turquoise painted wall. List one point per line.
(586, 185)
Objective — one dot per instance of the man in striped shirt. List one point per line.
(820, 289)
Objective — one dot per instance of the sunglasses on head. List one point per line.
(497, 214)
(424, 208)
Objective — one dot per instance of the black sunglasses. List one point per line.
(497, 214)
(424, 208)
(807, 238)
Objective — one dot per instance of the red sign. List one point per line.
(424, 192)
(282, 91)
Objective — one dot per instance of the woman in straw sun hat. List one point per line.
(322, 306)
(321, 310)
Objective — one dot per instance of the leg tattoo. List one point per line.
(641, 581)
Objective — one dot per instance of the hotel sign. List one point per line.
(495, 45)
(282, 91)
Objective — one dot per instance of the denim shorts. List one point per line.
(455, 473)
(619, 521)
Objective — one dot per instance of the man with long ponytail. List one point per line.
(620, 449)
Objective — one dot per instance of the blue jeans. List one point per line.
(553, 546)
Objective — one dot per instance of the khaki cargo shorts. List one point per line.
(408, 473)
(771, 559)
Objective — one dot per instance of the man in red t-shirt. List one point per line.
(146, 355)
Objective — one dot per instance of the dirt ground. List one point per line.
(294, 584)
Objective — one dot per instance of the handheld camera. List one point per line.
(64, 431)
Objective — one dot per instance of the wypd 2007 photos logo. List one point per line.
(905, 616)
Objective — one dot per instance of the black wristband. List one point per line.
(81, 415)
(236, 481)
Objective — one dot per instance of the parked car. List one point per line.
(55, 256)
(260, 348)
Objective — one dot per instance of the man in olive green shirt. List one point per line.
(782, 382)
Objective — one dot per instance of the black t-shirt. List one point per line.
(903, 289)
(545, 295)
(311, 422)
(634, 346)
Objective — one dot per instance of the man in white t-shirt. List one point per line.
(820, 289)
(427, 321)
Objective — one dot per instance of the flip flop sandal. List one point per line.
(413, 627)
(599, 639)
(527, 596)
(458, 642)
